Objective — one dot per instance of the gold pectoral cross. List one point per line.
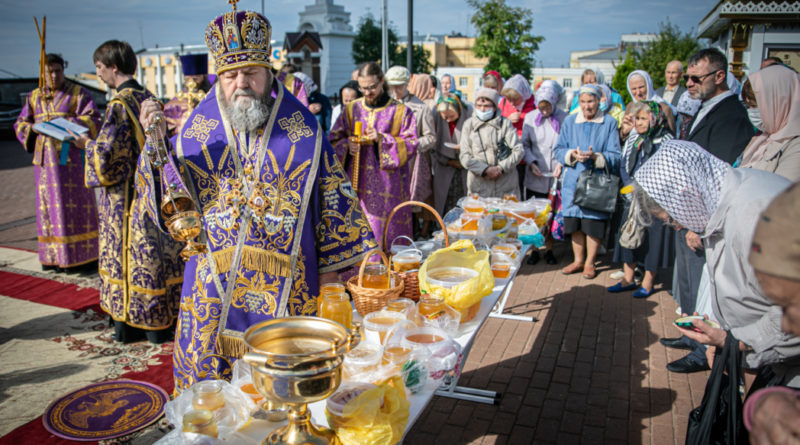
(233, 3)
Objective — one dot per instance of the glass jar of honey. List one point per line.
(336, 307)
(328, 288)
(200, 421)
(406, 260)
(431, 306)
(376, 276)
(207, 395)
(402, 305)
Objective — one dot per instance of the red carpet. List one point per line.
(71, 297)
(44, 291)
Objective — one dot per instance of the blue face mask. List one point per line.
(603, 105)
(485, 115)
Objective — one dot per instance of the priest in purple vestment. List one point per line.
(66, 211)
(390, 132)
(279, 213)
(140, 268)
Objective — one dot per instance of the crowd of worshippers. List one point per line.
(704, 157)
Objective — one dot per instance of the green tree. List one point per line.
(367, 47)
(670, 44)
(504, 35)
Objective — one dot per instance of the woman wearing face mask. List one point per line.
(490, 149)
(608, 105)
(772, 96)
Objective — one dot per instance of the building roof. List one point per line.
(753, 11)
(294, 39)
(610, 54)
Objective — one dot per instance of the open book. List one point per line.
(58, 127)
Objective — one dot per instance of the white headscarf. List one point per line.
(651, 93)
(308, 82)
(686, 181)
(552, 84)
(733, 84)
(599, 77)
(519, 84)
(687, 105)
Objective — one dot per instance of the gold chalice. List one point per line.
(296, 361)
(186, 226)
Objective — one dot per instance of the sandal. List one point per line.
(589, 272)
(572, 268)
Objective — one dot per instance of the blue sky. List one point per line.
(76, 28)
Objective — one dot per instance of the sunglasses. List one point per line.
(697, 79)
(372, 87)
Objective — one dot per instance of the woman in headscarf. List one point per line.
(657, 250)
(517, 101)
(490, 149)
(318, 103)
(448, 83)
(593, 76)
(608, 105)
(686, 110)
(347, 93)
(587, 140)
(449, 177)
(772, 96)
(422, 87)
(555, 86)
(684, 184)
(493, 80)
(640, 87)
(539, 137)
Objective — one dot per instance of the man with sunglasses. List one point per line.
(722, 128)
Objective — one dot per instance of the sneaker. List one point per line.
(617, 275)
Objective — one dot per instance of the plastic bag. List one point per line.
(461, 254)
(529, 233)
(377, 416)
(229, 418)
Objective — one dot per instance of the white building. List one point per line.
(748, 31)
(332, 23)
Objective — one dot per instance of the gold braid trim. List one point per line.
(253, 258)
(231, 346)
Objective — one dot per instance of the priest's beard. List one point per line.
(248, 111)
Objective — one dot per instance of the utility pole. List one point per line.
(410, 45)
(262, 7)
(384, 37)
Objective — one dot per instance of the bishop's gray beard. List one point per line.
(248, 112)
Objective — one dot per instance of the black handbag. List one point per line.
(718, 419)
(597, 190)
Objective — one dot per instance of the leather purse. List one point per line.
(597, 190)
(631, 234)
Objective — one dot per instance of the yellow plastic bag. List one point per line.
(377, 416)
(541, 218)
(462, 253)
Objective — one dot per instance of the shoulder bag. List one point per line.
(597, 190)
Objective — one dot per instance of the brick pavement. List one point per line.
(590, 370)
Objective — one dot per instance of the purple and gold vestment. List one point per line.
(278, 210)
(140, 269)
(384, 176)
(66, 212)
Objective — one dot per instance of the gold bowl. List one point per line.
(296, 361)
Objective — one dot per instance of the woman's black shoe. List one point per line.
(534, 258)
(549, 258)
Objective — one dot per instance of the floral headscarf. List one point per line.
(644, 143)
(686, 181)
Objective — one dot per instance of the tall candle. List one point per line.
(357, 130)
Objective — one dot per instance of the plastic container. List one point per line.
(334, 405)
(448, 277)
(364, 358)
(378, 324)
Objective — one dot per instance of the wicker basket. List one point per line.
(410, 278)
(369, 300)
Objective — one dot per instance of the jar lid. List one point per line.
(346, 392)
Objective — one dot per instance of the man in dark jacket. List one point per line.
(722, 127)
(673, 89)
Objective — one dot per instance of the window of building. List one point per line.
(567, 83)
(463, 82)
